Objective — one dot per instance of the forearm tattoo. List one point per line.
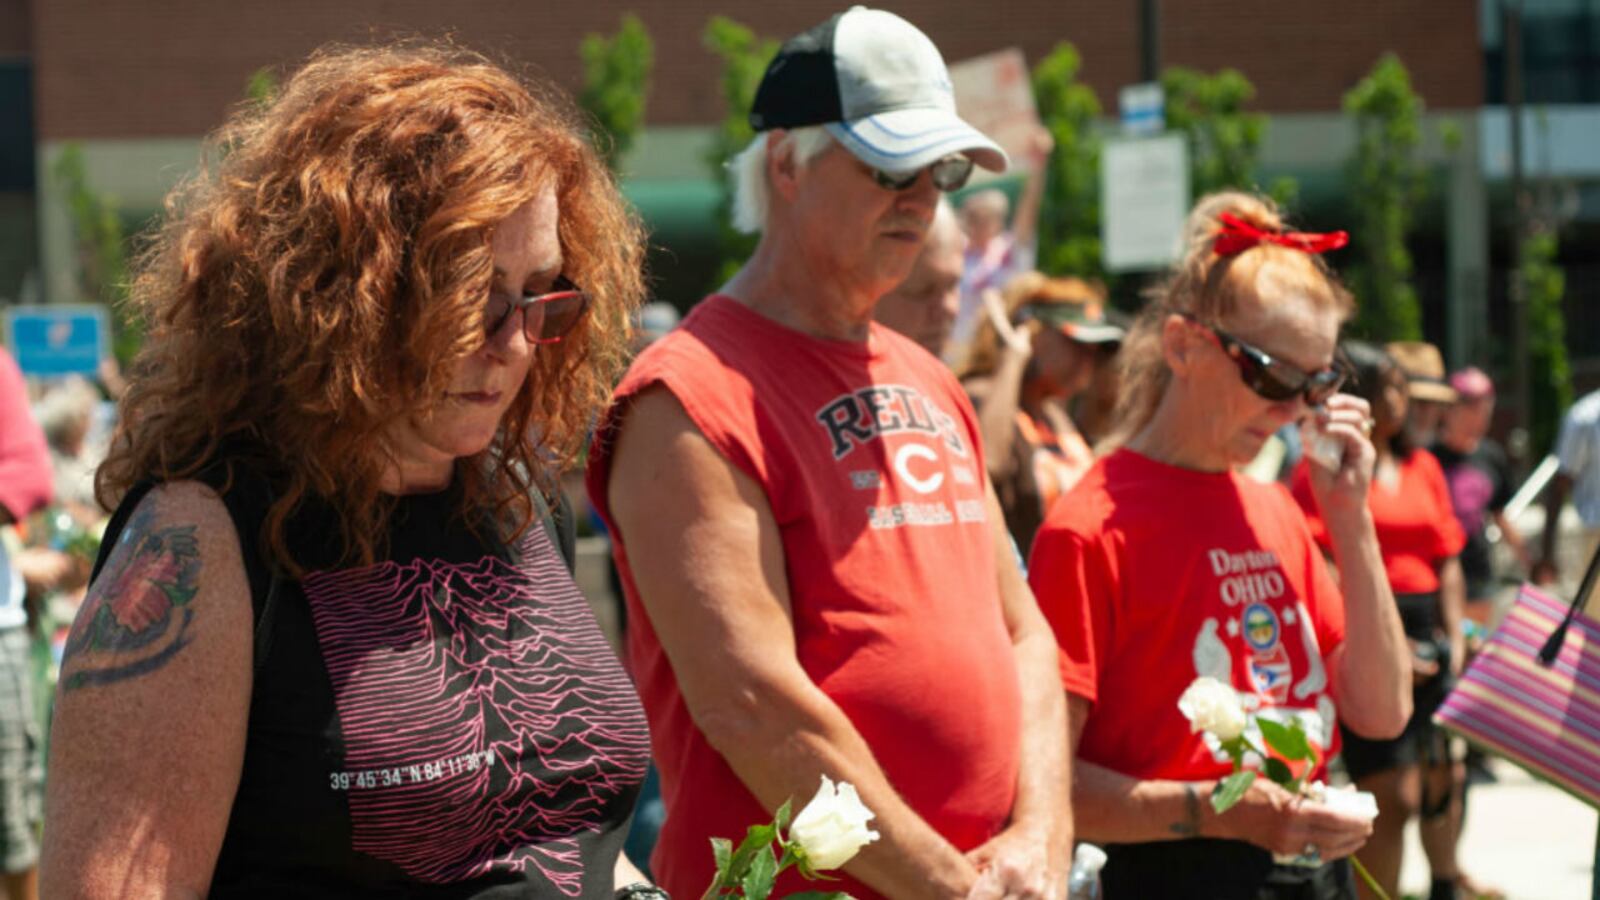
(1190, 826)
(137, 614)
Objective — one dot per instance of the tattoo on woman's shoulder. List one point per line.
(137, 614)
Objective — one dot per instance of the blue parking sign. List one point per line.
(58, 339)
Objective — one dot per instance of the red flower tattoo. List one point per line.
(138, 598)
(137, 614)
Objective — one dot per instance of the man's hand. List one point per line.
(1422, 667)
(1012, 339)
(1024, 862)
(44, 570)
(1544, 573)
(1040, 145)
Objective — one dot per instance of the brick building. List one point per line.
(136, 85)
(116, 70)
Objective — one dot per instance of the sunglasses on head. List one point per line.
(949, 174)
(546, 318)
(1271, 378)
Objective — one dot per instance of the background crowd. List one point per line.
(888, 453)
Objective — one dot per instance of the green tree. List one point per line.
(101, 248)
(1069, 222)
(616, 85)
(1544, 285)
(1224, 140)
(1386, 184)
(101, 244)
(744, 60)
(262, 88)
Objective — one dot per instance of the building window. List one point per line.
(1560, 51)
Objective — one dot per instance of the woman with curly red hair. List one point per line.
(329, 650)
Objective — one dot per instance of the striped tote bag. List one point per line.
(1533, 693)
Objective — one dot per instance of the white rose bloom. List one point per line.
(833, 826)
(1212, 706)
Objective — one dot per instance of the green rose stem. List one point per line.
(1231, 790)
(1372, 883)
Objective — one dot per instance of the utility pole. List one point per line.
(1150, 40)
(1519, 222)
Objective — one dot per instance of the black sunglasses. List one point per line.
(949, 174)
(1271, 378)
(546, 318)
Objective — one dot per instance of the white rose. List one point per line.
(1212, 706)
(833, 826)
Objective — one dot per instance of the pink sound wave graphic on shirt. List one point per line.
(487, 724)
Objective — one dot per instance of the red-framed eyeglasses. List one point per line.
(546, 318)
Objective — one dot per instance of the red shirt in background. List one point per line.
(1417, 527)
(1181, 574)
(867, 453)
(25, 475)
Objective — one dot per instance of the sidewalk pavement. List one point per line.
(1522, 836)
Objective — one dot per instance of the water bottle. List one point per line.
(1084, 881)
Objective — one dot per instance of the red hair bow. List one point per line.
(1238, 236)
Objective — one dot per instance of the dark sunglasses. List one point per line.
(948, 174)
(1273, 379)
(546, 318)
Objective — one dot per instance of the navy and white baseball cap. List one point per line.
(879, 86)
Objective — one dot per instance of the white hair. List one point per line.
(989, 200)
(752, 194)
(66, 408)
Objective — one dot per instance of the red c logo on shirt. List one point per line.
(902, 468)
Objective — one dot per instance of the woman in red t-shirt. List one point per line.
(1165, 564)
(1420, 538)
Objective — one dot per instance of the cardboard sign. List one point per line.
(994, 94)
(58, 339)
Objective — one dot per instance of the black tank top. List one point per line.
(449, 722)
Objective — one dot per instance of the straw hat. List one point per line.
(1424, 367)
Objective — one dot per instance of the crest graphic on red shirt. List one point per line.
(1270, 670)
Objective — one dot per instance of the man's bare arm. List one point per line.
(1025, 224)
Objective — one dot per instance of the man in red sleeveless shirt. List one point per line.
(816, 569)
